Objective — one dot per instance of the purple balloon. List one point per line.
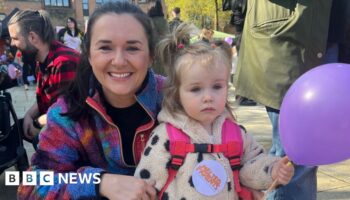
(315, 116)
(229, 40)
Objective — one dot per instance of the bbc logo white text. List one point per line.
(48, 178)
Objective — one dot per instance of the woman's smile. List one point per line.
(120, 75)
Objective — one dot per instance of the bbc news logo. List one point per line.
(48, 178)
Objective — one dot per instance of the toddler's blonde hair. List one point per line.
(176, 53)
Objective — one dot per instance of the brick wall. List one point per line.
(8, 6)
(58, 15)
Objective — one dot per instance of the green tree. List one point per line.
(203, 13)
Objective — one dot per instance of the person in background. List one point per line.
(280, 42)
(176, 21)
(15, 70)
(160, 28)
(339, 22)
(206, 35)
(33, 34)
(232, 43)
(101, 123)
(71, 35)
(28, 69)
(7, 79)
(156, 14)
(239, 10)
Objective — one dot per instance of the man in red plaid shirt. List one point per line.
(33, 34)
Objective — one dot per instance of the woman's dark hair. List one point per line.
(156, 10)
(85, 83)
(76, 29)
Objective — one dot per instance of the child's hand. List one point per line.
(283, 171)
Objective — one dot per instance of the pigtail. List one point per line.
(170, 47)
(225, 48)
(176, 51)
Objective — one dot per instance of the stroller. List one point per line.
(12, 152)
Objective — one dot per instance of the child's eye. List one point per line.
(195, 89)
(217, 87)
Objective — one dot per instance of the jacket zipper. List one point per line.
(142, 140)
(120, 138)
(142, 130)
(120, 143)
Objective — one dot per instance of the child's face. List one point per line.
(203, 91)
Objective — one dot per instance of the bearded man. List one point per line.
(33, 34)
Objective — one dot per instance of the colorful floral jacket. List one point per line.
(87, 147)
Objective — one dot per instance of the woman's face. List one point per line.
(119, 56)
(70, 24)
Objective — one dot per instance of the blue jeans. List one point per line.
(303, 185)
(332, 52)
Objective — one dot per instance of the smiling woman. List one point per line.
(119, 60)
(102, 122)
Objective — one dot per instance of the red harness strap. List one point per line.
(231, 147)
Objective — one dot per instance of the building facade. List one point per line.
(60, 10)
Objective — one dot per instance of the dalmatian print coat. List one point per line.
(255, 173)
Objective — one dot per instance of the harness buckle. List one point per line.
(203, 148)
(235, 162)
(176, 162)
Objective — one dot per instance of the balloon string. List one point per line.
(272, 186)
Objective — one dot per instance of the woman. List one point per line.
(101, 124)
(160, 28)
(156, 14)
(71, 35)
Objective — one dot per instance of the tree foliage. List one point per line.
(200, 12)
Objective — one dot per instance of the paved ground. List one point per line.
(333, 180)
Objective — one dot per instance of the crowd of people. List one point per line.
(136, 101)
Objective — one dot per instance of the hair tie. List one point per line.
(180, 46)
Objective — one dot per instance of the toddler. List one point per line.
(188, 154)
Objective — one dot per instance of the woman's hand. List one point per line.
(283, 171)
(122, 187)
